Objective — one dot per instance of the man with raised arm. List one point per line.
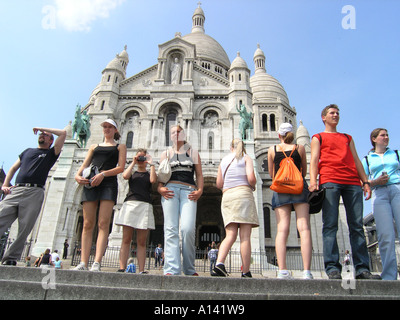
(24, 200)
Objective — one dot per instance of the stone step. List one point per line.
(27, 283)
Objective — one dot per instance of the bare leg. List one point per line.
(226, 245)
(141, 248)
(283, 220)
(127, 233)
(105, 212)
(89, 220)
(245, 246)
(303, 226)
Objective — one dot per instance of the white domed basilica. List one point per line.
(192, 83)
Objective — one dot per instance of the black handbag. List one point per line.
(315, 200)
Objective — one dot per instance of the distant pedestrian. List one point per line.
(66, 246)
(54, 256)
(58, 263)
(212, 256)
(45, 260)
(158, 253)
(131, 268)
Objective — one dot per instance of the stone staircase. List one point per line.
(49, 284)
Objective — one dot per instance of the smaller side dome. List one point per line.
(238, 62)
(124, 54)
(119, 63)
(259, 60)
(302, 136)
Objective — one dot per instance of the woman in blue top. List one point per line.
(383, 168)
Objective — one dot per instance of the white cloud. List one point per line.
(77, 15)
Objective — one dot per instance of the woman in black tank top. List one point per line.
(179, 202)
(284, 203)
(136, 212)
(110, 158)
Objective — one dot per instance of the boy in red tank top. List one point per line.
(334, 158)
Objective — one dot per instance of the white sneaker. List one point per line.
(284, 274)
(95, 266)
(307, 275)
(80, 267)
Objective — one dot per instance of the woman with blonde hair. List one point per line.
(284, 203)
(237, 180)
(179, 202)
(109, 157)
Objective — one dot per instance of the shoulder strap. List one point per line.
(294, 148)
(366, 160)
(320, 139)
(228, 167)
(397, 154)
(168, 153)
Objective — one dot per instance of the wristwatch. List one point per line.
(366, 182)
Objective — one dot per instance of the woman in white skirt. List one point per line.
(137, 211)
(237, 180)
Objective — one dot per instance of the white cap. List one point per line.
(284, 128)
(110, 121)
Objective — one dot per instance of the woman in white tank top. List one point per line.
(237, 180)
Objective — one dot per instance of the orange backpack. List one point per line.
(288, 179)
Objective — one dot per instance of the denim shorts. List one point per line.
(281, 199)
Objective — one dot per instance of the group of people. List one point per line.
(334, 166)
(47, 259)
(336, 169)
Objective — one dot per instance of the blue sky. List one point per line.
(53, 53)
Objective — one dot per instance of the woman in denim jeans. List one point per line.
(383, 168)
(179, 202)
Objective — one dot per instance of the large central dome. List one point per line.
(206, 47)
